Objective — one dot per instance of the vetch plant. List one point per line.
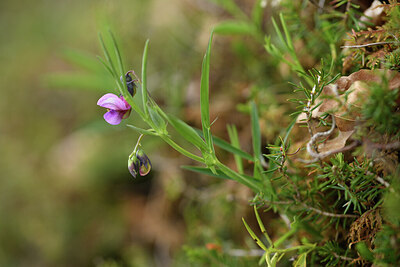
(158, 120)
(328, 192)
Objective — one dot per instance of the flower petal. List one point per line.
(127, 106)
(112, 102)
(113, 117)
(145, 168)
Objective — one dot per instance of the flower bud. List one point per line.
(145, 164)
(133, 165)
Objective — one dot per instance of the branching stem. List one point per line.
(365, 45)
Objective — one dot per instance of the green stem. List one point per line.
(180, 149)
(274, 250)
(285, 236)
(236, 176)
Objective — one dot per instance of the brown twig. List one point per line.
(329, 214)
(324, 213)
(379, 179)
(365, 45)
(314, 138)
(390, 146)
(328, 153)
(342, 257)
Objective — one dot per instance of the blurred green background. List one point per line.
(66, 196)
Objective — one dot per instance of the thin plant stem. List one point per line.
(180, 149)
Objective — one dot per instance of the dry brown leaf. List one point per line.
(336, 143)
(369, 76)
(344, 99)
(345, 124)
(302, 118)
(374, 13)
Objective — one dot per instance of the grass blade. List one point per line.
(207, 171)
(141, 131)
(187, 132)
(106, 66)
(257, 13)
(144, 78)
(262, 227)
(228, 147)
(108, 58)
(119, 58)
(254, 236)
(289, 42)
(235, 27)
(204, 96)
(233, 136)
(255, 131)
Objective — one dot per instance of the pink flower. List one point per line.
(117, 107)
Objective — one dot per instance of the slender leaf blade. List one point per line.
(235, 27)
(262, 227)
(254, 236)
(144, 77)
(108, 57)
(140, 130)
(233, 136)
(257, 12)
(228, 147)
(159, 123)
(207, 171)
(187, 132)
(204, 96)
(255, 131)
(118, 56)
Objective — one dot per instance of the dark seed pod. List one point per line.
(130, 83)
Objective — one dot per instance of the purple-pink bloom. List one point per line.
(118, 108)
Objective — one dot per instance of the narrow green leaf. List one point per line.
(278, 32)
(287, 34)
(257, 13)
(144, 77)
(233, 136)
(235, 27)
(119, 58)
(301, 261)
(187, 132)
(207, 171)
(255, 131)
(204, 96)
(142, 131)
(254, 236)
(228, 147)
(158, 121)
(262, 227)
(106, 66)
(289, 130)
(108, 58)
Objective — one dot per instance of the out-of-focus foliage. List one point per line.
(67, 197)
